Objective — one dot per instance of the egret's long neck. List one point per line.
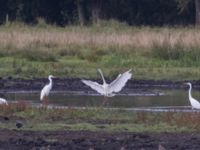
(104, 81)
(50, 81)
(190, 89)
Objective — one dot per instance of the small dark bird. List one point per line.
(6, 118)
(19, 124)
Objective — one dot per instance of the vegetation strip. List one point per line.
(98, 119)
(171, 53)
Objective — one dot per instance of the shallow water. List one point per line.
(153, 99)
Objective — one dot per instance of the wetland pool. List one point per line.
(155, 99)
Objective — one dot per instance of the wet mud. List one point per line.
(17, 139)
(86, 140)
(75, 84)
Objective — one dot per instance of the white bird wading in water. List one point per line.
(46, 90)
(108, 90)
(194, 103)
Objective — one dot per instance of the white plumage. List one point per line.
(3, 101)
(194, 103)
(47, 88)
(108, 90)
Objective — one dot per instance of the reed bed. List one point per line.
(145, 38)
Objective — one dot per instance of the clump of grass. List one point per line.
(187, 57)
(167, 52)
(92, 55)
(29, 53)
(41, 22)
(70, 50)
(38, 55)
(19, 106)
(110, 26)
(191, 57)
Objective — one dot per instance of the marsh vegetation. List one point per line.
(96, 119)
(74, 51)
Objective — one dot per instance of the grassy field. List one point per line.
(73, 51)
(97, 119)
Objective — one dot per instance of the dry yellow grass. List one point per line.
(136, 38)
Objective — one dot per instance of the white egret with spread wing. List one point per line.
(194, 103)
(3, 101)
(106, 89)
(46, 90)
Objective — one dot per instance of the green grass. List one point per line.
(97, 119)
(73, 51)
(131, 127)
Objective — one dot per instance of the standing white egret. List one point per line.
(108, 90)
(46, 90)
(3, 101)
(194, 103)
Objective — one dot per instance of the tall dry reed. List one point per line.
(140, 38)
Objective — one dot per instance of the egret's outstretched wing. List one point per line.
(94, 85)
(3, 101)
(120, 81)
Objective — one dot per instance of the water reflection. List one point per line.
(134, 100)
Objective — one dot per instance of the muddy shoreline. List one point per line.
(87, 140)
(75, 84)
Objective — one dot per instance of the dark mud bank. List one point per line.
(86, 140)
(75, 84)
